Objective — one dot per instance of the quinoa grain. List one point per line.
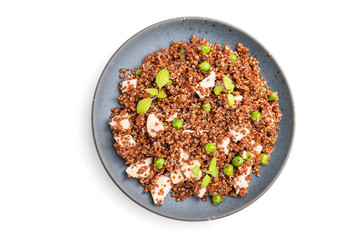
(135, 144)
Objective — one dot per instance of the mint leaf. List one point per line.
(228, 84)
(195, 170)
(161, 95)
(218, 89)
(143, 105)
(162, 77)
(230, 99)
(212, 164)
(212, 168)
(232, 88)
(152, 91)
(205, 181)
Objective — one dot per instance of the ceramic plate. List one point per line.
(131, 55)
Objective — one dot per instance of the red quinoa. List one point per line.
(214, 126)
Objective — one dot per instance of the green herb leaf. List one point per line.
(152, 91)
(212, 168)
(162, 77)
(161, 95)
(205, 181)
(232, 88)
(228, 84)
(143, 105)
(195, 170)
(212, 164)
(230, 99)
(218, 89)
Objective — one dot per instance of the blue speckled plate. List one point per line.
(131, 55)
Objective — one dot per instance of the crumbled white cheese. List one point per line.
(162, 188)
(127, 83)
(176, 176)
(186, 169)
(208, 82)
(125, 139)
(225, 145)
(238, 135)
(154, 125)
(133, 169)
(202, 191)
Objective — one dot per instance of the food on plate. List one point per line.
(196, 119)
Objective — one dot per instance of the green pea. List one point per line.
(177, 124)
(206, 107)
(170, 82)
(237, 161)
(272, 97)
(205, 66)
(216, 199)
(164, 123)
(249, 155)
(255, 115)
(233, 57)
(228, 169)
(137, 73)
(182, 51)
(264, 159)
(210, 147)
(263, 88)
(205, 49)
(159, 163)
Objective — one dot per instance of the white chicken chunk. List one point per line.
(186, 169)
(172, 117)
(125, 84)
(238, 134)
(258, 148)
(176, 176)
(121, 120)
(237, 99)
(133, 169)
(241, 182)
(125, 140)
(206, 83)
(184, 156)
(162, 188)
(202, 191)
(225, 145)
(154, 125)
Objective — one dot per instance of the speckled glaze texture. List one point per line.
(131, 55)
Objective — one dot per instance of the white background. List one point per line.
(52, 184)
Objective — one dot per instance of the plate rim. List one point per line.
(292, 133)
